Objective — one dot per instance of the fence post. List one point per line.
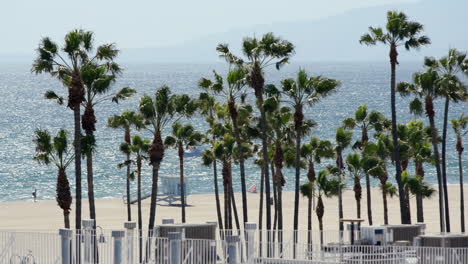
(87, 233)
(250, 240)
(168, 221)
(66, 236)
(175, 247)
(130, 236)
(118, 235)
(232, 248)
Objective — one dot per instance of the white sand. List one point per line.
(111, 213)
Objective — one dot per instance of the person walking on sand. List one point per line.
(34, 194)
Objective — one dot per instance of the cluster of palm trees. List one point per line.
(270, 130)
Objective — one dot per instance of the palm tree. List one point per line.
(327, 186)
(313, 153)
(416, 186)
(261, 54)
(353, 160)
(235, 83)
(125, 121)
(400, 31)
(207, 107)
(183, 137)
(66, 64)
(374, 161)
(57, 151)
(459, 126)
(302, 92)
(138, 146)
(158, 112)
(425, 87)
(365, 121)
(343, 140)
(416, 142)
(454, 90)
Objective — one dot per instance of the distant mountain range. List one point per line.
(332, 39)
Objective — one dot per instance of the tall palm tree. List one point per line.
(374, 161)
(126, 121)
(158, 112)
(234, 88)
(207, 107)
(327, 186)
(183, 137)
(452, 88)
(459, 126)
(313, 153)
(66, 63)
(426, 87)
(303, 92)
(353, 160)
(56, 150)
(139, 147)
(399, 32)
(343, 140)
(365, 121)
(261, 54)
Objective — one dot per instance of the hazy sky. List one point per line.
(152, 23)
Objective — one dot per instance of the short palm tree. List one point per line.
(374, 161)
(459, 126)
(158, 112)
(366, 121)
(327, 185)
(304, 92)
(353, 160)
(313, 153)
(56, 150)
(66, 64)
(183, 137)
(453, 89)
(234, 88)
(139, 147)
(399, 32)
(425, 86)
(343, 140)
(126, 121)
(261, 54)
(416, 186)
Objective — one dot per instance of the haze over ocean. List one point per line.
(23, 109)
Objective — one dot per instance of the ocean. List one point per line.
(23, 109)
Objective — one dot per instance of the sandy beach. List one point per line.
(111, 213)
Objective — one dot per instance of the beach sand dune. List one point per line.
(111, 213)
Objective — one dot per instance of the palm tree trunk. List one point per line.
(275, 196)
(234, 206)
(140, 218)
(265, 163)
(227, 196)
(233, 113)
(419, 199)
(320, 210)
(368, 200)
(182, 189)
(444, 164)
(66, 218)
(462, 198)
(218, 204)
(129, 207)
(156, 154)
(89, 168)
(77, 118)
(297, 183)
(401, 192)
(260, 209)
(385, 204)
(434, 138)
(309, 222)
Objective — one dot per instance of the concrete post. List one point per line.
(168, 221)
(88, 237)
(250, 240)
(175, 247)
(66, 236)
(118, 235)
(232, 248)
(130, 237)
